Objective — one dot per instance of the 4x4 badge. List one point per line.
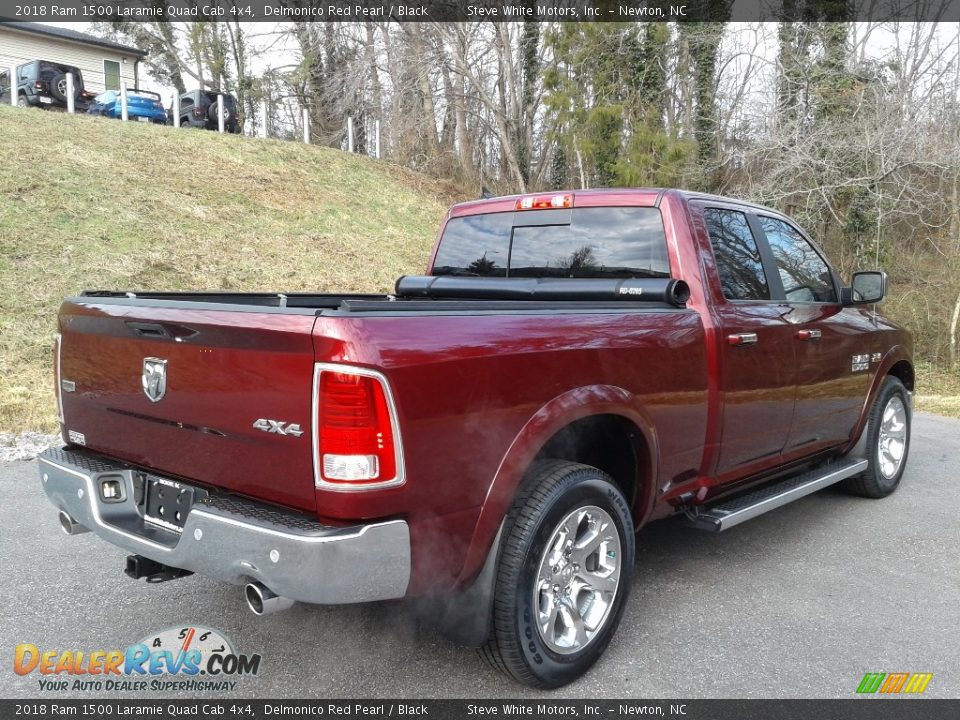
(277, 427)
(154, 378)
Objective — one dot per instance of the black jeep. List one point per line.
(198, 109)
(42, 83)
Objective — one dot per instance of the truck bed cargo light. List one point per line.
(545, 202)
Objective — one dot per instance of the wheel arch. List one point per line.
(903, 370)
(566, 426)
(609, 442)
(896, 363)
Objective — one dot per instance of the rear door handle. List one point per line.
(808, 334)
(742, 339)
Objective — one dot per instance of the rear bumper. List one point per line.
(51, 103)
(235, 540)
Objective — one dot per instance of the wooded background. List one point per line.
(852, 128)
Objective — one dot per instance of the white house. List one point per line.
(104, 64)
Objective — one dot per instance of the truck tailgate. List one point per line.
(222, 369)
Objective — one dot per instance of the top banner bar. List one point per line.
(83, 11)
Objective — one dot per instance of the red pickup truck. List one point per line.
(491, 435)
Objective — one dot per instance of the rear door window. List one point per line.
(620, 242)
(737, 254)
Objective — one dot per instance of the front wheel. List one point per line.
(563, 577)
(888, 443)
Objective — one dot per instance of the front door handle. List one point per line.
(742, 339)
(808, 334)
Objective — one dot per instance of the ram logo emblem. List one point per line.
(154, 379)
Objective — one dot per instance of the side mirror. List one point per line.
(868, 287)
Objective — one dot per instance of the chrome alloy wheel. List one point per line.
(578, 579)
(892, 440)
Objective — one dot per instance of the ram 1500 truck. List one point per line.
(492, 434)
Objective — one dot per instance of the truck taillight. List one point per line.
(356, 439)
(545, 202)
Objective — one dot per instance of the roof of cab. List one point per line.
(636, 197)
(599, 197)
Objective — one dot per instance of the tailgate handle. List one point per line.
(156, 330)
(149, 329)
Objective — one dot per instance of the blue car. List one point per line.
(142, 105)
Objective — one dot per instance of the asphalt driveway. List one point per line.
(800, 602)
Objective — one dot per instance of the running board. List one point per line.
(728, 513)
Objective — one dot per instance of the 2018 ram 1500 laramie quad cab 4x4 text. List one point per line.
(573, 366)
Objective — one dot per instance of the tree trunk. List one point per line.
(414, 32)
(376, 89)
(954, 350)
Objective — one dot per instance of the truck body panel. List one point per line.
(716, 395)
(225, 370)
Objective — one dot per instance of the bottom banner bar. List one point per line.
(858, 709)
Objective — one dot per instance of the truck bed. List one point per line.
(463, 370)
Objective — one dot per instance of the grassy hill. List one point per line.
(95, 203)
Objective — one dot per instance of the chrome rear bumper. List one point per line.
(234, 539)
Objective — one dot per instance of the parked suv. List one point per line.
(43, 83)
(198, 109)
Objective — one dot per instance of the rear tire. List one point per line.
(563, 577)
(888, 443)
(22, 101)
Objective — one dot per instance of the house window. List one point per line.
(111, 75)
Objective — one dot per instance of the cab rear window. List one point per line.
(620, 242)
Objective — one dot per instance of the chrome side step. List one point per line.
(729, 513)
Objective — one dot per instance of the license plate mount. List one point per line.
(167, 503)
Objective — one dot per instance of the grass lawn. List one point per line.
(96, 203)
(938, 390)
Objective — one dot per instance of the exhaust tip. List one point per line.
(254, 599)
(263, 601)
(69, 525)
